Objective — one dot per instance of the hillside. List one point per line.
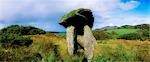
(128, 32)
(108, 28)
(123, 31)
(118, 31)
(52, 47)
(22, 30)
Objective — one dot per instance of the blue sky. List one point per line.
(46, 14)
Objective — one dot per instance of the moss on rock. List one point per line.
(79, 16)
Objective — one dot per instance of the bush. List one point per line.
(143, 26)
(145, 34)
(103, 35)
(36, 31)
(14, 40)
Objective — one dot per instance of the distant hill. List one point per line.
(107, 28)
(126, 29)
(22, 30)
(140, 26)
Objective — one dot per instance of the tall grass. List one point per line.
(51, 48)
(114, 54)
(122, 51)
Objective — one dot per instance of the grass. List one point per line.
(51, 48)
(61, 34)
(123, 31)
(122, 51)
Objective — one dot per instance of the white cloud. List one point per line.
(129, 5)
(106, 12)
(9, 8)
(111, 24)
(123, 20)
(29, 8)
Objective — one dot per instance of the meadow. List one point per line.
(123, 31)
(30, 44)
(51, 48)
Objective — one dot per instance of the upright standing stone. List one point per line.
(79, 25)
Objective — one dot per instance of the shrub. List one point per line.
(14, 40)
(103, 35)
(143, 26)
(145, 34)
(36, 31)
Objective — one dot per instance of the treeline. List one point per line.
(141, 26)
(143, 33)
(15, 35)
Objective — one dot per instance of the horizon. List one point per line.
(65, 31)
(46, 14)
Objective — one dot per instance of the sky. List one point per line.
(46, 14)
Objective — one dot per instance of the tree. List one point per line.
(143, 26)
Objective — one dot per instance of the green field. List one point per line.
(123, 31)
(118, 31)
